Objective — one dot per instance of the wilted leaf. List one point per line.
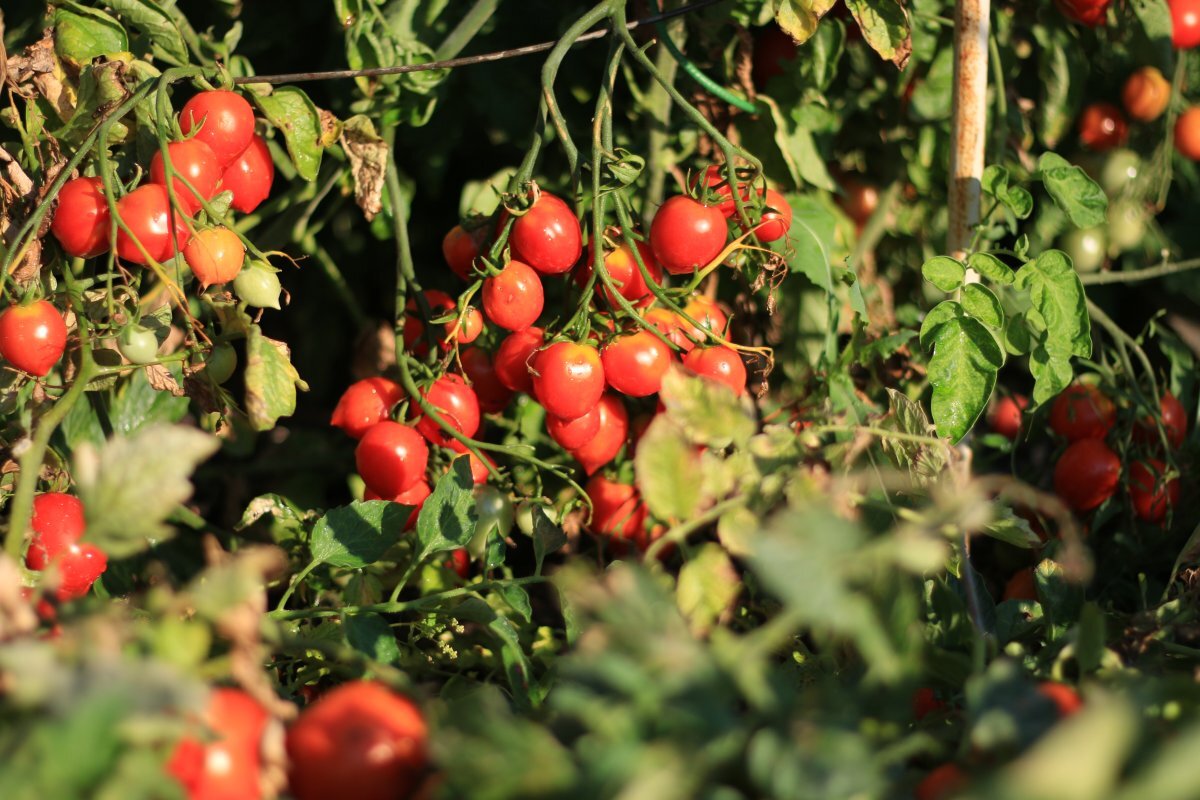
(885, 26)
(271, 380)
(708, 585)
(368, 155)
(289, 109)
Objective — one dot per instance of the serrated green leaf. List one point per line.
(991, 268)
(797, 148)
(271, 380)
(810, 240)
(370, 635)
(518, 598)
(131, 484)
(1019, 201)
(359, 534)
(1060, 63)
(1059, 302)
(1051, 370)
(547, 537)
(708, 585)
(136, 404)
(907, 416)
(939, 315)
(166, 41)
(885, 26)
(1073, 191)
(962, 371)
(1017, 340)
(994, 180)
(82, 33)
(978, 302)
(708, 413)
(944, 272)
(291, 111)
(669, 476)
(448, 518)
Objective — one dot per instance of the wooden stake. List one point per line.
(969, 130)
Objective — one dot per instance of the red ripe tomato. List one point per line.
(365, 404)
(634, 365)
(1185, 23)
(456, 404)
(1082, 412)
(215, 256)
(774, 51)
(547, 236)
(708, 313)
(358, 740)
(461, 247)
(1087, 12)
(469, 329)
(249, 176)
(225, 122)
(479, 470)
(859, 200)
(573, 433)
(623, 270)
(1065, 698)
(617, 508)
(1102, 127)
(941, 783)
(513, 299)
(32, 337)
(148, 214)
(604, 446)
(391, 458)
(672, 326)
(1005, 415)
(514, 356)
(568, 379)
(776, 220)
(716, 181)
(686, 235)
(1021, 586)
(720, 364)
(439, 304)
(925, 702)
(1187, 133)
(228, 766)
(1151, 494)
(82, 219)
(460, 562)
(196, 163)
(1146, 94)
(57, 525)
(1086, 474)
(1174, 422)
(477, 365)
(414, 497)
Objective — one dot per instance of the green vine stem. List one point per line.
(395, 607)
(465, 30)
(1138, 275)
(694, 72)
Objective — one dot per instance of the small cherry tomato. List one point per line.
(547, 236)
(460, 562)
(1150, 492)
(716, 181)
(391, 458)
(1174, 422)
(859, 200)
(139, 345)
(461, 247)
(477, 365)
(568, 379)
(1185, 23)
(456, 404)
(228, 766)
(673, 326)
(1086, 247)
(494, 510)
(513, 299)
(708, 313)
(1086, 474)
(58, 525)
(479, 469)
(720, 364)
(1119, 171)
(470, 328)
(249, 176)
(617, 509)
(514, 357)
(365, 404)
(1087, 12)
(32, 336)
(215, 256)
(1082, 411)
(1066, 700)
(223, 120)
(1126, 224)
(358, 740)
(258, 285)
(941, 783)
(624, 273)
(82, 219)
(1005, 415)
(776, 220)
(1146, 94)
(193, 161)
(609, 439)
(686, 235)
(148, 214)
(635, 364)
(440, 304)
(925, 702)
(220, 363)
(1021, 586)
(1102, 127)
(573, 433)
(1187, 133)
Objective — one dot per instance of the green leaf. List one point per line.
(547, 537)
(82, 33)
(512, 656)
(931, 97)
(271, 380)
(1051, 370)
(448, 518)
(1061, 67)
(131, 484)
(1073, 191)
(944, 272)
(359, 534)
(991, 268)
(668, 471)
(939, 315)
(1059, 303)
(136, 404)
(962, 371)
(708, 413)
(291, 111)
(885, 26)
(708, 585)
(370, 635)
(906, 416)
(797, 148)
(518, 598)
(978, 301)
(810, 240)
(166, 41)
(799, 18)
(1011, 529)
(1017, 340)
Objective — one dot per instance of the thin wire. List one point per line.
(451, 63)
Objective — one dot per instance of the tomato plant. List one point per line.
(81, 220)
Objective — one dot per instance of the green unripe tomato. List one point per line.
(495, 511)
(525, 514)
(138, 344)
(222, 361)
(1126, 225)
(1086, 247)
(258, 285)
(1120, 170)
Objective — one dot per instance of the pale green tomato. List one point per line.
(1086, 247)
(1120, 171)
(258, 286)
(495, 511)
(1126, 225)
(138, 344)
(222, 361)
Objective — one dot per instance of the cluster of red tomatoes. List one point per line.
(221, 153)
(587, 383)
(1185, 18)
(58, 525)
(358, 740)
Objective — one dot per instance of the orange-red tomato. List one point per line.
(1004, 417)
(364, 404)
(215, 255)
(1174, 422)
(461, 247)
(33, 336)
(573, 433)
(1066, 699)
(1082, 411)
(82, 219)
(1102, 127)
(1087, 474)
(568, 379)
(249, 176)
(941, 783)
(1021, 586)
(547, 237)
(1146, 94)
(635, 364)
(513, 299)
(391, 458)
(228, 766)
(1187, 133)
(609, 439)
(147, 212)
(720, 364)
(193, 161)
(477, 366)
(513, 359)
(1151, 493)
(617, 509)
(221, 119)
